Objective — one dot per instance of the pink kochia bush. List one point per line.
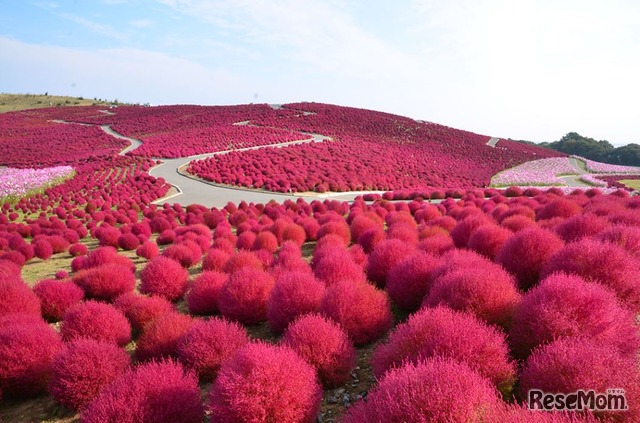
(16, 297)
(265, 383)
(141, 309)
(571, 364)
(83, 369)
(244, 296)
(164, 277)
(363, 311)
(434, 390)
(294, 293)
(105, 282)
(160, 392)
(94, 320)
(444, 332)
(207, 344)
(56, 297)
(384, 256)
(147, 250)
(161, 336)
(526, 251)
(409, 280)
(27, 350)
(202, 296)
(489, 293)
(564, 306)
(600, 262)
(324, 345)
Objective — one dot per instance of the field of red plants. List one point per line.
(448, 312)
(390, 308)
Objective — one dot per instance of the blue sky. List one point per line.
(525, 69)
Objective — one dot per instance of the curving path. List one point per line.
(492, 142)
(134, 143)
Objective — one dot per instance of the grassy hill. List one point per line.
(14, 102)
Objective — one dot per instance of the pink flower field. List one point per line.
(18, 182)
(439, 301)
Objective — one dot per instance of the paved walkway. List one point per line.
(492, 142)
(133, 143)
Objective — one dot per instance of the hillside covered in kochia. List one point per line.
(601, 151)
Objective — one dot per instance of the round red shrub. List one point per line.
(9, 270)
(433, 390)
(384, 256)
(56, 297)
(78, 263)
(580, 226)
(517, 223)
(164, 277)
(83, 369)
(526, 251)
(108, 236)
(204, 292)
(409, 280)
(443, 332)
(159, 392)
(161, 336)
(166, 237)
(571, 364)
(16, 297)
(600, 262)
(244, 296)
(324, 345)
(14, 256)
(263, 382)
(246, 240)
(295, 233)
(94, 320)
(186, 255)
(105, 282)
(128, 241)
(59, 244)
(108, 255)
(405, 232)
(360, 224)
(267, 241)
(148, 250)
(490, 293)
(243, 259)
(566, 306)
(559, 207)
(332, 265)
(215, 260)
(464, 228)
(295, 293)
(26, 354)
(362, 310)
(488, 239)
(42, 249)
(626, 237)
(141, 309)
(207, 344)
(370, 238)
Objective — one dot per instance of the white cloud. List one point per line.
(142, 23)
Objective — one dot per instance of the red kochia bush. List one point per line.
(443, 332)
(626, 237)
(148, 250)
(488, 239)
(159, 392)
(128, 241)
(489, 293)
(600, 262)
(164, 277)
(294, 293)
(94, 320)
(267, 241)
(244, 296)
(83, 369)
(324, 345)
(243, 259)
(572, 364)
(581, 226)
(464, 228)
(105, 282)
(409, 280)
(433, 390)
(160, 337)
(16, 297)
(140, 309)
(384, 256)
(26, 353)
(362, 310)
(559, 207)
(202, 297)
(207, 344)
(263, 382)
(9, 269)
(526, 252)
(185, 254)
(335, 264)
(216, 259)
(56, 297)
(42, 249)
(566, 306)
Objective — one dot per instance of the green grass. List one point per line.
(16, 102)
(631, 183)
